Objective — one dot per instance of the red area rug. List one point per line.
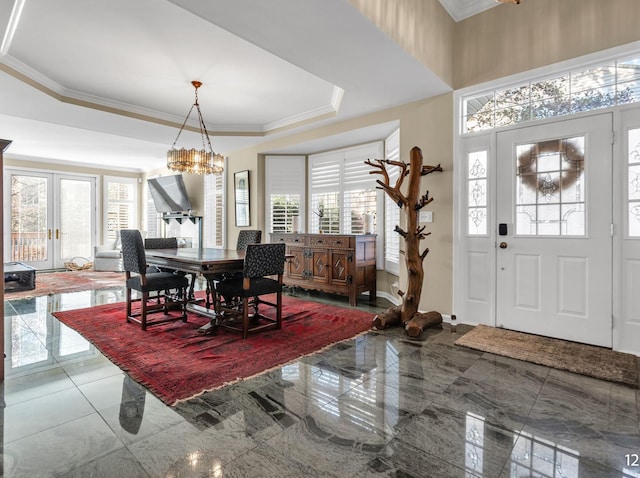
(71, 281)
(175, 362)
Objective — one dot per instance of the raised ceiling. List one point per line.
(108, 82)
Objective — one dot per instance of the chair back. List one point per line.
(248, 236)
(133, 256)
(262, 260)
(161, 243)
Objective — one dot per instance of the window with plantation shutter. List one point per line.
(285, 192)
(343, 191)
(213, 214)
(120, 204)
(391, 209)
(152, 219)
(324, 182)
(360, 194)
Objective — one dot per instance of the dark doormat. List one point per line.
(597, 362)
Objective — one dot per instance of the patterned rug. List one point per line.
(49, 283)
(597, 362)
(176, 362)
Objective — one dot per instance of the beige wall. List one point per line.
(430, 39)
(511, 39)
(426, 124)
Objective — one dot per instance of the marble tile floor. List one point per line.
(380, 405)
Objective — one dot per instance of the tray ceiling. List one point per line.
(109, 81)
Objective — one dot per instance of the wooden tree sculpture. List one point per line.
(407, 313)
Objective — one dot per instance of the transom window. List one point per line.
(614, 83)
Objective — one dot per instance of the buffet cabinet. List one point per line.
(334, 263)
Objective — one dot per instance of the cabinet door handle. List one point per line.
(49, 234)
(57, 234)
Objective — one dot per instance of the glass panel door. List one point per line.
(74, 233)
(51, 220)
(29, 227)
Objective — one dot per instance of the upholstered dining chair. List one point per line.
(248, 236)
(261, 262)
(245, 237)
(137, 278)
(160, 243)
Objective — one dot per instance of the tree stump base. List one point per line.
(389, 317)
(420, 321)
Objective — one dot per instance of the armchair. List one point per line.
(108, 257)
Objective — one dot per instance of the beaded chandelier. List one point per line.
(195, 161)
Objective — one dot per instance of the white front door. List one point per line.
(554, 216)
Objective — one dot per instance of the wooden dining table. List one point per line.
(209, 262)
(205, 261)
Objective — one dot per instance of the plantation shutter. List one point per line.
(324, 180)
(121, 206)
(360, 196)
(213, 220)
(285, 192)
(391, 209)
(152, 219)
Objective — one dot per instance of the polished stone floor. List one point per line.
(380, 405)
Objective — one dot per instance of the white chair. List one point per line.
(108, 257)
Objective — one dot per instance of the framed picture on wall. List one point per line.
(241, 184)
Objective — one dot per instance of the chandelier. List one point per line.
(193, 161)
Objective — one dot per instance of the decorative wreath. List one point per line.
(570, 149)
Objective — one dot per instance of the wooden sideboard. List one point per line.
(336, 263)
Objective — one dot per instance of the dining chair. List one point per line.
(160, 243)
(261, 262)
(137, 278)
(245, 237)
(248, 236)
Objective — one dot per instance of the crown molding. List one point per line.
(461, 9)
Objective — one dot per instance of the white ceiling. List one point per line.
(105, 82)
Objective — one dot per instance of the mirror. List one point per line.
(241, 183)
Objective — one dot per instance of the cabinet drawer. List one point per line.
(329, 241)
(291, 239)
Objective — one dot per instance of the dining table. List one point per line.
(205, 261)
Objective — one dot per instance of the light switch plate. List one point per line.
(426, 216)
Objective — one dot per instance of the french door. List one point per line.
(554, 239)
(51, 218)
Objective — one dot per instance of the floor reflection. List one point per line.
(377, 405)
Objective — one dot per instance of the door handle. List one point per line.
(503, 245)
(57, 234)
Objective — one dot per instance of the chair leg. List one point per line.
(143, 310)
(128, 303)
(245, 317)
(279, 310)
(183, 305)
